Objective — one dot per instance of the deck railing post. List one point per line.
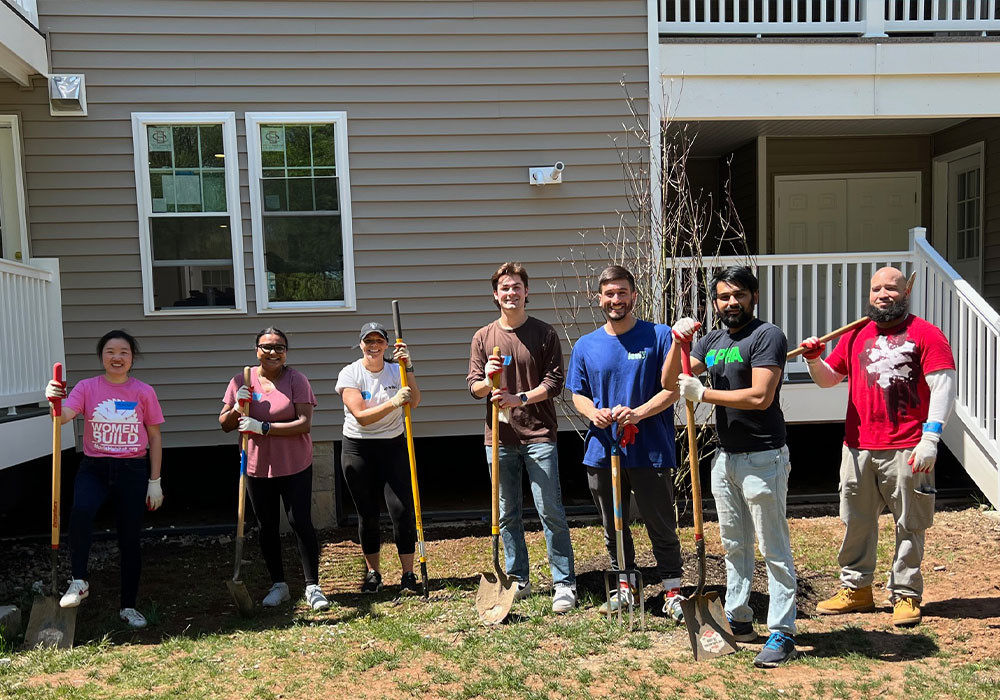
(874, 19)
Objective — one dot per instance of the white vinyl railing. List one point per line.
(28, 8)
(826, 17)
(973, 328)
(802, 294)
(31, 324)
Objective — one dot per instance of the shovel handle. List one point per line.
(495, 453)
(699, 527)
(244, 443)
(57, 375)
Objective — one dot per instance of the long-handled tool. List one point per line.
(627, 580)
(833, 335)
(704, 616)
(50, 625)
(236, 587)
(496, 589)
(407, 421)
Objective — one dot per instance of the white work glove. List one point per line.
(925, 453)
(243, 394)
(494, 365)
(251, 425)
(401, 354)
(402, 396)
(54, 391)
(684, 329)
(690, 387)
(154, 495)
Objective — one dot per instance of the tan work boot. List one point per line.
(905, 612)
(848, 600)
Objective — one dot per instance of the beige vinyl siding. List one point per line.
(448, 103)
(854, 154)
(966, 134)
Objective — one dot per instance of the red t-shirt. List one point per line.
(886, 372)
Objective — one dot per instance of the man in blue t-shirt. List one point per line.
(745, 361)
(614, 374)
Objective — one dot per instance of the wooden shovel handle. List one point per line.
(699, 527)
(244, 442)
(57, 375)
(495, 467)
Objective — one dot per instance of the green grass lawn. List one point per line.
(384, 646)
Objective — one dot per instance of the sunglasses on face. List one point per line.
(273, 348)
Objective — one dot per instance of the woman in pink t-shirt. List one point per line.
(279, 459)
(123, 453)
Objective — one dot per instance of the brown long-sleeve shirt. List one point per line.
(535, 359)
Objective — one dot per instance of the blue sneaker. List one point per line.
(742, 631)
(778, 649)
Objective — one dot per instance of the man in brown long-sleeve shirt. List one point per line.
(531, 370)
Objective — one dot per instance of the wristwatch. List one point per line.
(264, 427)
(524, 398)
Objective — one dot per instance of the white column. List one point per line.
(874, 18)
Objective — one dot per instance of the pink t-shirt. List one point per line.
(115, 416)
(276, 455)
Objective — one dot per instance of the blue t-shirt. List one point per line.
(624, 369)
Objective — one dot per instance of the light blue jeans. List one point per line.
(541, 459)
(750, 490)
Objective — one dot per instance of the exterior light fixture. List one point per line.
(67, 95)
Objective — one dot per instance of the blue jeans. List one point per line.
(750, 490)
(124, 480)
(541, 459)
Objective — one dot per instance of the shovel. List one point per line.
(407, 421)
(50, 625)
(236, 587)
(704, 616)
(623, 576)
(496, 590)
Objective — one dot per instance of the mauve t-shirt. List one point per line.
(276, 455)
(115, 416)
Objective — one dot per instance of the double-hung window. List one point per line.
(190, 233)
(300, 207)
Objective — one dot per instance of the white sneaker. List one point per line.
(614, 603)
(672, 605)
(523, 590)
(132, 617)
(564, 599)
(315, 597)
(277, 595)
(77, 591)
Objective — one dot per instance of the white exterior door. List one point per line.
(810, 216)
(965, 218)
(13, 234)
(881, 211)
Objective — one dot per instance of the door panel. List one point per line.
(811, 216)
(881, 211)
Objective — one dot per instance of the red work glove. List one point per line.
(814, 348)
(684, 329)
(494, 366)
(628, 435)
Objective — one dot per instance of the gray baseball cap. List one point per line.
(374, 327)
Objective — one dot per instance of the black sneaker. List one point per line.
(408, 584)
(778, 649)
(372, 583)
(742, 631)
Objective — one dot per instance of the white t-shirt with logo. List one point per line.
(375, 389)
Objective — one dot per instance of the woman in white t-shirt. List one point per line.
(374, 456)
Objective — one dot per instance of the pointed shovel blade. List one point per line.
(708, 626)
(495, 598)
(50, 625)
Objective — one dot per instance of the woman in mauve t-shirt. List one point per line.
(279, 459)
(123, 453)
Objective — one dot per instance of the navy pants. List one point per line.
(125, 481)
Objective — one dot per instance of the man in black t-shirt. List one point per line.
(745, 361)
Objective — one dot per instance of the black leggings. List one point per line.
(373, 468)
(295, 491)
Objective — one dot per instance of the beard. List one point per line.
(617, 315)
(736, 319)
(893, 312)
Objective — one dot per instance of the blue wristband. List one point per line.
(934, 427)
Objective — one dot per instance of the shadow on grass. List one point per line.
(963, 608)
(873, 644)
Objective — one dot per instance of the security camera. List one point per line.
(546, 175)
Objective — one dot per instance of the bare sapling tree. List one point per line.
(672, 236)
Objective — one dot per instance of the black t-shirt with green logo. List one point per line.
(730, 359)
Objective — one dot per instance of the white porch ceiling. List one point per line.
(715, 138)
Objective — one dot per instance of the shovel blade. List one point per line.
(50, 625)
(495, 598)
(708, 626)
(238, 590)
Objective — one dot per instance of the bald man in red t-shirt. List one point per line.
(901, 384)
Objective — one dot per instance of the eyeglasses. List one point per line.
(273, 348)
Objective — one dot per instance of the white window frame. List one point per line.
(140, 120)
(255, 173)
(21, 215)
